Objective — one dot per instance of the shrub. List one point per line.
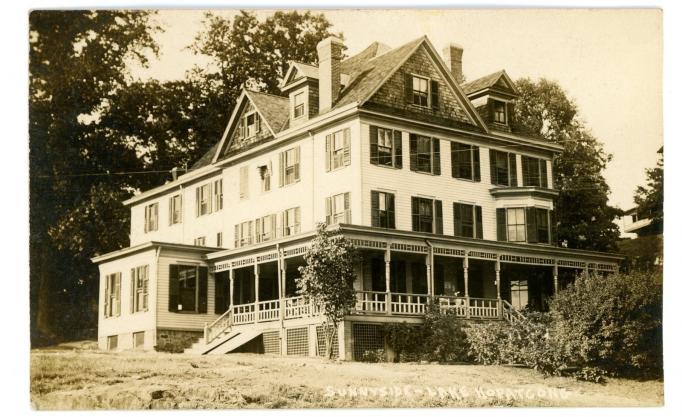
(612, 323)
(374, 355)
(407, 341)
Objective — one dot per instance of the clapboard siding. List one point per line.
(181, 321)
(406, 184)
(126, 323)
(309, 194)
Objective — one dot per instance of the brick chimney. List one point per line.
(329, 53)
(452, 55)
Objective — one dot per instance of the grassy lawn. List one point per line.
(79, 377)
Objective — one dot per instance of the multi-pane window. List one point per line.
(138, 340)
(385, 147)
(200, 241)
(468, 220)
(299, 105)
(243, 234)
(503, 168)
(151, 217)
(291, 221)
(466, 161)
(112, 295)
(265, 175)
(244, 182)
(175, 209)
(203, 199)
(424, 154)
(534, 171)
(383, 209)
(427, 215)
(289, 166)
(338, 208)
(188, 288)
(516, 224)
(499, 112)
(337, 148)
(420, 91)
(219, 239)
(266, 227)
(252, 122)
(218, 194)
(140, 288)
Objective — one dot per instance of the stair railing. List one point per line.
(221, 325)
(511, 314)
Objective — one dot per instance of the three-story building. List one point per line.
(425, 174)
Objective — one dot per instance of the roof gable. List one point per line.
(380, 82)
(497, 80)
(297, 71)
(274, 116)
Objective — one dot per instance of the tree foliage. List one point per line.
(77, 65)
(584, 217)
(649, 198)
(327, 278)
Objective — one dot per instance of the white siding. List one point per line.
(406, 184)
(126, 323)
(181, 321)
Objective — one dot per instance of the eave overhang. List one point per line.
(540, 192)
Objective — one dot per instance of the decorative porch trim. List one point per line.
(368, 244)
(408, 247)
(457, 253)
(488, 256)
(571, 263)
(267, 257)
(296, 251)
(526, 260)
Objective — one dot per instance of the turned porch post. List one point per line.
(498, 284)
(387, 262)
(466, 281)
(429, 273)
(232, 289)
(256, 273)
(280, 293)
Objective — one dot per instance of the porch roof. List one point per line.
(150, 245)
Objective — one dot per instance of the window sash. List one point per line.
(385, 147)
(463, 158)
(299, 106)
(420, 91)
(516, 224)
(176, 209)
(151, 217)
(500, 111)
(218, 194)
(337, 149)
(425, 214)
(140, 279)
(424, 154)
(188, 288)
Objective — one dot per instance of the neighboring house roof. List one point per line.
(206, 158)
(488, 81)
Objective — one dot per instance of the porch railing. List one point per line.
(453, 305)
(484, 308)
(370, 301)
(244, 313)
(403, 303)
(268, 310)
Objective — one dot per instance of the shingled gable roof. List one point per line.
(488, 81)
(299, 70)
(367, 71)
(367, 76)
(274, 111)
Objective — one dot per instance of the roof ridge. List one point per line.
(248, 90)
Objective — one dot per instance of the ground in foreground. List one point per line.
(76, 377)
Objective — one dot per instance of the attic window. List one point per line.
(500, 112)
(299, 106)
(252, 122)
(420, 91)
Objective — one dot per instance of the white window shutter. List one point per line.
(297, 163)
(282, 167)
(346, 146)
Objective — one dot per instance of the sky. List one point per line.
(608, 60)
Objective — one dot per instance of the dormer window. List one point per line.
(500, 112)
(421, 91)
(299, 105)
(252, 122)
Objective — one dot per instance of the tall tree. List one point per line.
(77, 64)
(649, 198)
(584, 217)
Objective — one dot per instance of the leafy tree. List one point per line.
(77, 65)
(584, 217)
(327, 278)
(649, 198)
(245, 52)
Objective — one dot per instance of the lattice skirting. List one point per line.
(366, 337)
(297, 341)
(322, 346)
(271, 343)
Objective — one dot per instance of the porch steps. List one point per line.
(226, 343)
